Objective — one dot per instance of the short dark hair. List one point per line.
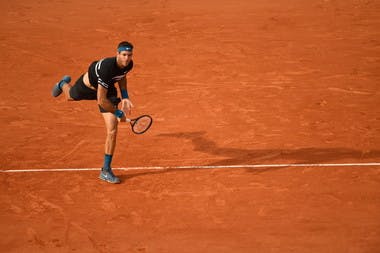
(125, 44)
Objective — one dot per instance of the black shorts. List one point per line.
(81, 92)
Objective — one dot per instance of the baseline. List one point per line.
(252, 166)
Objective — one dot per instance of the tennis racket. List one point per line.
(140, 124)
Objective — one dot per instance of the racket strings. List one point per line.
(141, 124)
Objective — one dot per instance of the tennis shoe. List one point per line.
(57, 89)
(108, 176)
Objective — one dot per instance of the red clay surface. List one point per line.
(227, 82)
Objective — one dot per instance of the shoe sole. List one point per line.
(56, 91)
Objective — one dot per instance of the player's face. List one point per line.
(124, 58)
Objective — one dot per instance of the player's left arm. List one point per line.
(126, 104)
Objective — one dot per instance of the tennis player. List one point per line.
(98, 83)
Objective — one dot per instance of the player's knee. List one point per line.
(112, 133)
(69, 98)
(72, 95)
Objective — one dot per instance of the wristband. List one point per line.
(124, 94)
(119, 113)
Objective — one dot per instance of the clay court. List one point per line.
(266, 133)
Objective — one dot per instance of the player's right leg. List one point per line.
(66, 90)
(79, 91)
(57, 89)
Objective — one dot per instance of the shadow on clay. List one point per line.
(236, 156)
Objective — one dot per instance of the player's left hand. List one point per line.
(126, 106)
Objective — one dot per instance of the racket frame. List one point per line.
(135, 120)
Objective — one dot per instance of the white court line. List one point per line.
(250, 166)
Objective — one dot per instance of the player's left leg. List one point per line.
(111, 124)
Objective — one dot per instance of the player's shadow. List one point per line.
(241, 156)
(250, 156)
